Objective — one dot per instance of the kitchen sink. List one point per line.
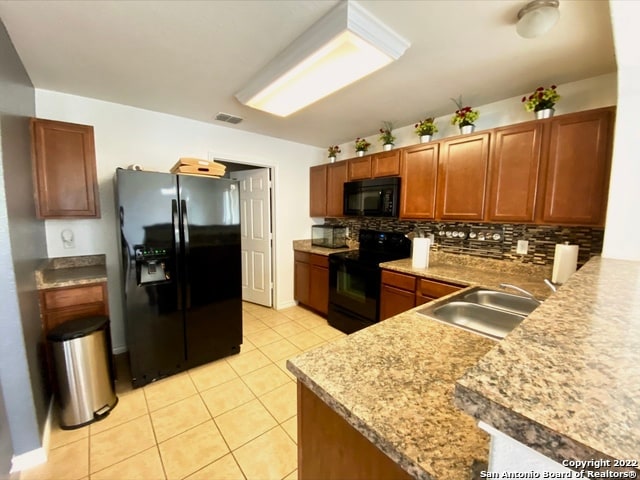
(502, 300)
(487, 312)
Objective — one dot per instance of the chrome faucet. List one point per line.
(521, 290)
(551, 285)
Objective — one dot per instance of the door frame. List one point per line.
(212, 156)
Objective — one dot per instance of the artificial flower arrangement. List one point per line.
(464, 115)
(386, 135)
(541, 99)
(426, 127)
(333, 150)
(362, 145)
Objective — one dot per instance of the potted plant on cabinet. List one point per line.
(425, 129)
(542, 101)
(333, 151)
(464, 116)
(386, 136)
(361, 146)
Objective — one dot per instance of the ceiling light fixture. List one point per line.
(537, 18)
(345, 45)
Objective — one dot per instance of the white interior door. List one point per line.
(255, 226)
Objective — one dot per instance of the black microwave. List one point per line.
(377, 197)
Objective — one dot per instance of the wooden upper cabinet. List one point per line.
(64, 170)
(419, 173)
(318, 191)
(577, 161)
(462, 172)
(336, 176)
(359, 168)
(513, 172)
(386, 164)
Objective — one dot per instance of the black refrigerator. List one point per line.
(181, 270)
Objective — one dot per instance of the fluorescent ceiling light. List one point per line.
(537, 18)
(343, 46)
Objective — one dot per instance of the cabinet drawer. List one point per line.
(67, 297)
(399, 280)
(301, 256)
(320, 260)
(435, 289)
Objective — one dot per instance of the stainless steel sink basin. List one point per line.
(488, 312)
(477, 318)
(503, 301)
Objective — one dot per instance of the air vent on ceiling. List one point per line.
(225, 117)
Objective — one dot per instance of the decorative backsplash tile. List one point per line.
(542, 238)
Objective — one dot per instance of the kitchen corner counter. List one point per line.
(305, 246)
(567, 381)
(394, 383)
(71, 271)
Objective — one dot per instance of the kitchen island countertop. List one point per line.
(393, 382)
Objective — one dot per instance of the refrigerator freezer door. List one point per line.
(149, 216)
(213, 295)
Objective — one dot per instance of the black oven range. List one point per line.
(354, 278)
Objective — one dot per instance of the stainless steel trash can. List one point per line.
(82, 364)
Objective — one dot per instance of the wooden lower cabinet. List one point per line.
(331, 449)
(397, 293)
(400, 292)
(59, 305)
(311, 281)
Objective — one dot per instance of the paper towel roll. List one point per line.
(565, 262)
(420, 255)
(135, 166)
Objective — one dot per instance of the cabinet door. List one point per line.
(336, 176)
(359, 168)
(462, 173)
(386, 164)
(394, 301)
(419, 172)
(301, 272)
(513, 173)
(577, 163)
(318, 191)
(319, 294)
(64, 170)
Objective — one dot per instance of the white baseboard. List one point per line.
(119, 350)
(283, 305)
(38, 456)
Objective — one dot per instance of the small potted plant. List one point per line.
(361, 146)
(425, 129)
(386, 136)
(541, 101)
(464, 116)
(333, 151)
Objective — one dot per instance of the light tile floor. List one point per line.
(232, 419)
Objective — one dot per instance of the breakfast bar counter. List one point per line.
(566, 382)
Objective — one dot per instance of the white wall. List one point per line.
(621, 233)
(125, 135)
(595, 92)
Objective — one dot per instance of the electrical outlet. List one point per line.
(523, 247)
(67, 238)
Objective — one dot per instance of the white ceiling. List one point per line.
(189, 58)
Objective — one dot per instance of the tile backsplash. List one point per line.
(542, 238)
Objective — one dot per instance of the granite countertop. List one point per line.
(70, 271)
(467, 270)
(394, 383)
(305, 246)
(566, 382)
